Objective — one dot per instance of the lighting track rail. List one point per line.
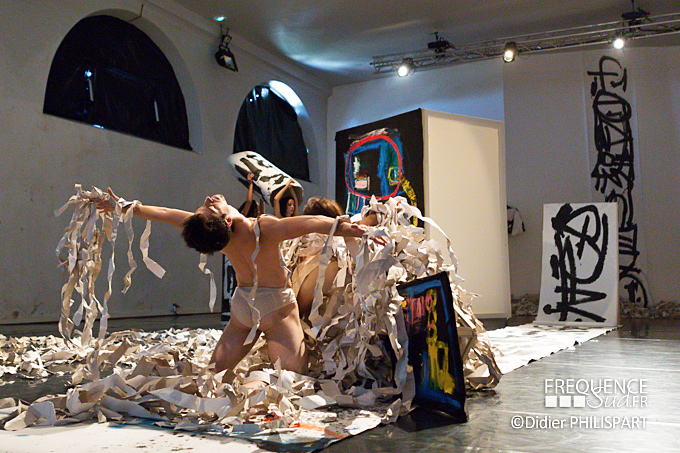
(642, 26)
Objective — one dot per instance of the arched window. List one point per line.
(268, 124)
(108, 73)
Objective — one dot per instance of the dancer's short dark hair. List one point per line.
(206, 233)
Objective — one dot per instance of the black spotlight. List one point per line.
(510, 52)
(224, 56)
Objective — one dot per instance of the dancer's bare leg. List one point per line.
(305, 295)
(285, 340)
(230, 348)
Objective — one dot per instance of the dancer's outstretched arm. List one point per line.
(171, 216)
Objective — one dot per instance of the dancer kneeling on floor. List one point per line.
(305, 266)
(263, 302)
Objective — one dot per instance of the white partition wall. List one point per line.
(464, 178)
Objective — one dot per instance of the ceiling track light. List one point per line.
(405, 68)
(642, 25)
(619, 42)
(510, 52)
(224, 56)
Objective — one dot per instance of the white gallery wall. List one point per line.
(543, 100)
(548, 121)
(545, 103)
(44, 156)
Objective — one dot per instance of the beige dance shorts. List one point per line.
(266, 301)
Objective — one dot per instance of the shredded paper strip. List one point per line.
(358, 372)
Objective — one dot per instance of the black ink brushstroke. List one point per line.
(614, 171)
(564, 263)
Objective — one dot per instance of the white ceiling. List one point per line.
(336, 39)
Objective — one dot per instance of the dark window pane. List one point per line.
(268, 125)
(108, 73)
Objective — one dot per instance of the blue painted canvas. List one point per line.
(433, 349)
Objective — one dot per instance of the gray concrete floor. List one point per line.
(639, 349)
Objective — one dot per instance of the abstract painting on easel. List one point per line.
(579, 278)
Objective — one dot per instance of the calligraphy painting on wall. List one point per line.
(616, 165)
(579, 279)
(382, 159)
(433, 349)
